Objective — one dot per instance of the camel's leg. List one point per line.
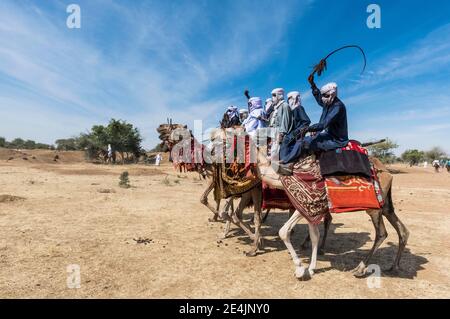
(326, 228)
(285, 235)
(235, 219)
(314, 233)
(380, 236)
(326, 223)
(265, 215)
(401, 229)
(257, 202)
(226, 216)
(204, 201)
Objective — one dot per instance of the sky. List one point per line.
(145, 61)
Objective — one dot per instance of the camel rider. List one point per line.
(255, 119)
(233, 116)
(243, 114)
(331, 132)
(268, 108)
(289, 149)
(281, 117)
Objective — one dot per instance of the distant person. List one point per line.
(158, 159)
(110, 153)
(448, 166)
(436, 166)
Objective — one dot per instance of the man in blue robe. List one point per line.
(301, 121)
(331, 132)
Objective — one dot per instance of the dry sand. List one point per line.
(154, 240)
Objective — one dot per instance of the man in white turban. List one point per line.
(243, 114)
(256, 114)
(332, 130)
(281, 121)
(281, 117)
(231, 117)
(291, 147)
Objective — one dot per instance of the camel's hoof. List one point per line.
(307, 275)
(213, 219)
(222, 236)
(251, 254)
(300, 272)
(360, 271)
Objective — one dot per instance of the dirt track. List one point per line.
(64, 215)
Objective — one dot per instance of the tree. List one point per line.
(122, 136)
(436, 153)
(29, 145)
(413, 157)
(69, 144)
(2, 142)
(383, 151)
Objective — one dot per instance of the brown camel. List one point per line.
(387, 211)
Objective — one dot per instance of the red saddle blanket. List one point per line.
(353, 193)
(274, 198)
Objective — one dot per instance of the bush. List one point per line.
(124, 181)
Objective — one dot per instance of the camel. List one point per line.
(206, 171)
(255, 196)
(376, 215)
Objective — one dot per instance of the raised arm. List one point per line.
(315, 90)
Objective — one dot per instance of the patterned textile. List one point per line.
(306, 190)
(193, 161)
(351, 193)
(274, 198)
(237, 177)
(355, 146)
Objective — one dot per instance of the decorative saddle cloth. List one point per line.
(235, 175)
(274, 198)
(306, 189)
(314, 195)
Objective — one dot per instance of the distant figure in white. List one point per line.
(158, 159)
(109, 153)
(436, 165)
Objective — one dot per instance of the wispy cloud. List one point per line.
(142, 62)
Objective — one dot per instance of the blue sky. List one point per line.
(144, 61)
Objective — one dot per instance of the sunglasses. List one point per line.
(326, 95)
(274, 94)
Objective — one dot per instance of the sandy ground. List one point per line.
(66, 212)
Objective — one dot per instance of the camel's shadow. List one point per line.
(344, 251)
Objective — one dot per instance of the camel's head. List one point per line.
(166, 131)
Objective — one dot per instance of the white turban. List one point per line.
(277, 96)
(329, 88)
(254, 103)
(278, 91)
(294, 95)
(242, 111)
